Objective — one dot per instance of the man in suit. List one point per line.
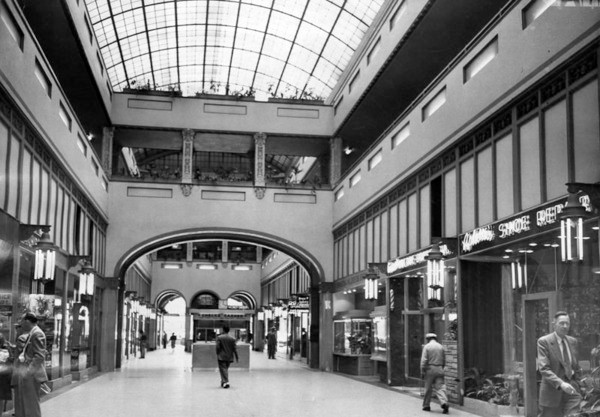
(30, 369)
(226, 351)
(271, 343)
(558, 365)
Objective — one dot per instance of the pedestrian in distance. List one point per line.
(7, 355)
(143, 339)
(30, 372)
(164, 340)
(558, 365)
(226, 352)
(433, 361)
(271, 343)
(173, 339)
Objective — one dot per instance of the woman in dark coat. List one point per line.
(6, 364)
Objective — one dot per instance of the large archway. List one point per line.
(302, 256)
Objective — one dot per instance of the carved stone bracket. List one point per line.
(186, 189)
(259, 192)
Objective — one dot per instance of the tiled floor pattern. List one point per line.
(162, 385)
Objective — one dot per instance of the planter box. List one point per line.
(158, 93)
(487, 409)
(295, 101)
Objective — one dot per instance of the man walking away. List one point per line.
(433, 361)
(226, 351)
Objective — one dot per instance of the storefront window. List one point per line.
(352, 336)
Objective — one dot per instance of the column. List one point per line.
(107, 149)
(188, 337)
(108, 342)
(335, 160)
(260, 140)
(396, 324)
(324, 333)
(225, 252)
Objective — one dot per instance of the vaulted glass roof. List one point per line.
(282, 48)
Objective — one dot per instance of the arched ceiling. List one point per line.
(282, 48)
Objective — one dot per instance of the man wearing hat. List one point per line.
(30, 370)
(433, 361)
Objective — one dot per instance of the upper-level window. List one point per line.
(483, 58)
(375, 159)
(402, 134)
(353, 81)
(89, 28)
(434, 104)
(64, 115)
(337, 105)
(397, 15)
(534, 9)
(355, 179)
(81, 144)
(104, 184)
(96, 167)
(99, 58)
(374, 50)
(11, 24)
(339, 193)
(44, 80)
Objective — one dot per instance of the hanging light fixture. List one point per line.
(371, 280)
(86, 279)
(45, 257)
(518, 273)
(571, 229)
(435, 272)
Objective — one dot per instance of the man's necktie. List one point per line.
(566, 360)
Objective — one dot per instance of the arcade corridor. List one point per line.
(163, 385)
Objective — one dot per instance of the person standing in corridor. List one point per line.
(271, 343)
(30, 371)
(226, 351)
(559, 367)
(143, 342)
(433, 360)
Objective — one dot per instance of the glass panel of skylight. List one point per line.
(264, 3)
(111, 54)
(253, 17)
(134, 46)
(105, 32)
(270, 66)
(276, 47)
(222, 12)
(317, 88)
(265, 83)
(322, 14)
(129, 23)
(337, 52)
(138, 69)
(240, 78)
(249, 40)
(160, 15)
(120, 6)
(295, 77)
(219, 35)
(283, 25)
(162, 39)
(244, 59)
(218, 56)
(292, 7)
(191, 56)
(191, 12)
(117, 76)
(311, 37)
(192, 35)
(164, 59)
(349, 30)
(164, 79)
(303, 58)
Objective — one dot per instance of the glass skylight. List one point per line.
(280, 48)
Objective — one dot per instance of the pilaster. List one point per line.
(335, 160)
(107, 149)
(260, 141)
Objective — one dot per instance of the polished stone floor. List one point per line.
(163, 385)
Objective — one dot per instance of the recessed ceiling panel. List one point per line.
(276, 47)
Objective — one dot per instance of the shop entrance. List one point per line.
(538, 311)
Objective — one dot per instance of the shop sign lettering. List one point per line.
(414, 259)
(5, 299)
(548, 215)
(482, 234)
(514, 227)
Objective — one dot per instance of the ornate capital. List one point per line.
(186, 189)
(259, 192)
(188, 134)
(260, 138)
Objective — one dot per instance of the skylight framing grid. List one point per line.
(321, 73)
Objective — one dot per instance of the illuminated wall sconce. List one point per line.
(571, 229)
(371, 280)
(518, 274)
(86, 280)
(261, 316)
(435, 272)
(45, 257)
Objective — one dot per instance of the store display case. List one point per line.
(380, 334)
(352, 344)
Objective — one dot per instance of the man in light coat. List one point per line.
(433, 360)
(30, 370)
(558, 365)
